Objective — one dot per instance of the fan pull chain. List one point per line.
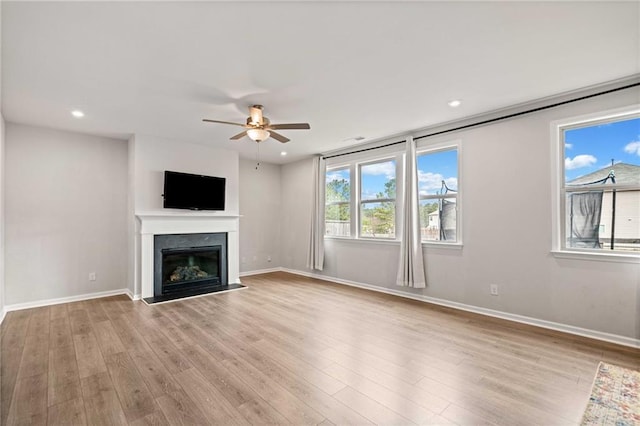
(258, 156)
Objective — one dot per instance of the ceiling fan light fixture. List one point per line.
(258, 135)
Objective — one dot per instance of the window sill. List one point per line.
(446, 246)
(429, 245)
(363, 240)
(599, 257)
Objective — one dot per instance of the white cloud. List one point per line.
(429, 182)
(568, 145)
(452, 183)
(387, 169)
(583, 160)
(633, 148)
(331, 176)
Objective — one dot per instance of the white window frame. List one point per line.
(559, 191)
(353, 163)
(398, 201)
(350, 202)
(432, 148)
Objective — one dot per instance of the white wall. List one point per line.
(507, 184)
(66, 201)
(260, 203)
(154, 155)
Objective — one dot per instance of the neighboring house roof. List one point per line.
(625, 173)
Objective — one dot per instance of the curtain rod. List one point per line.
(363, 150)
(493, 120)
(529, 111)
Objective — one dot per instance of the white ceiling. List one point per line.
(369, 69)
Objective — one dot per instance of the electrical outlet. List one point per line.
(268, 258)
(494, 289)
(92, 276)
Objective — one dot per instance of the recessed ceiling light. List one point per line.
(283, 153)
(454, 103)
(77, 113)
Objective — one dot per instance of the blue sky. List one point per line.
(433, 168)
(374, 176)
(588, 149)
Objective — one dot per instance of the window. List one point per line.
(378, 199)
(599, 184)
(363, 202)
(338, 203)
(438, 190)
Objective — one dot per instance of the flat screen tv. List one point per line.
(193, 192)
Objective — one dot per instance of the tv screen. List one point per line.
(193, 192)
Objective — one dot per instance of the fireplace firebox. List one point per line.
(190, 268)
(189, 264)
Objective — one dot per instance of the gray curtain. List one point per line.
(315, 258)
(586, 208)
(411, 267)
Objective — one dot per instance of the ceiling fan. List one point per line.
(259, 127)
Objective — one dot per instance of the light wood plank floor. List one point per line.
(290, 350)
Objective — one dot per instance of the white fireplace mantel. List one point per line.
(158, 223)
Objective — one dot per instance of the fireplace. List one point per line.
(189, 264)
(190, 268)
(166, 230)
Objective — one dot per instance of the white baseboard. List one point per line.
(260, 271)
(3, 313)
(132, 296)
(570, 329)
(48, 302)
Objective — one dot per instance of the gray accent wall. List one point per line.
(152, 155)
(260, 212)
(149, 157)
(66, 211)
(507, 234)
(2, 204)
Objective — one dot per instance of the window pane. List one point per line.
(338, 185)
(378, 180)
(337, 220)
(434, 168)
(337, 209)
(438, 175)
(604, 154)
(592, 215)
(438, 219)
(592, 152)
(378, 220)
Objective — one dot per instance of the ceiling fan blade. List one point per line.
(302, 126)
(255, 112)
(224, 122)
(278, 137)
(239, 136)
